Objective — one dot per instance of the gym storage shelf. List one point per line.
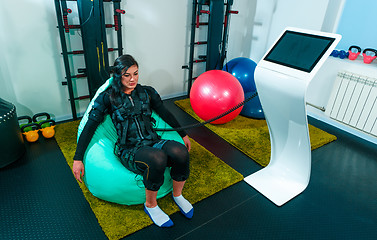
(92, 26)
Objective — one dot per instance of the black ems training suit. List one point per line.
(138, 147)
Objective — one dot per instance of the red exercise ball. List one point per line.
(215, 92)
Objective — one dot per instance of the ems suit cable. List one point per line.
(210, 120)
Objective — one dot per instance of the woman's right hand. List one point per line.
(78, 169)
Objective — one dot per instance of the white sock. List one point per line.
(160, 218)
(183, 204)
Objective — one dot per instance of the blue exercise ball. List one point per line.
(252, 108)
(243, 69)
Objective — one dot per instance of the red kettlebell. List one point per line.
(367, 57)
(353, 55)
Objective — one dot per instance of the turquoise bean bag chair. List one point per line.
(105, 177)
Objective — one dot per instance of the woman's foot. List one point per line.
(159, 218)
(185, 206)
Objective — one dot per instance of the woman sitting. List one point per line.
(138, 147)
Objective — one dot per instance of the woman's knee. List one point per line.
(151, 158)
(157, 161)
(177, 151)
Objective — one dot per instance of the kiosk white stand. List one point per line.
(282, 77)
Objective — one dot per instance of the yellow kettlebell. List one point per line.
(31, 135)
(47, 128)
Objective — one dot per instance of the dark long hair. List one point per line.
(121, 65)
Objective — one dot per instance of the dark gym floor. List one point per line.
(40, 199)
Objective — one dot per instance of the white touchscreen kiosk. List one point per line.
(282, 77)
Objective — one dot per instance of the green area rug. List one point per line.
(208, 176)
(251, 136)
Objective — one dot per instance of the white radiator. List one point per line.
(353, 101)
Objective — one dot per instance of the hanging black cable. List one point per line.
(210, 120)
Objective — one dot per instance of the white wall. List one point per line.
(32, 66)
(272, 16)
(241, 29)
(157, 33)
(333, 15)
(157, 36)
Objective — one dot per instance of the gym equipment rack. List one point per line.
(217, 35)
(93, 32)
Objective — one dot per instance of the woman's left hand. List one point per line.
(187, 142)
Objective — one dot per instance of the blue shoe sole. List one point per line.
(187, 215)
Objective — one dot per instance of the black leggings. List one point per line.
(152, 162)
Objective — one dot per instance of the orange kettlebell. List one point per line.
(47, 130)
(31, 135)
